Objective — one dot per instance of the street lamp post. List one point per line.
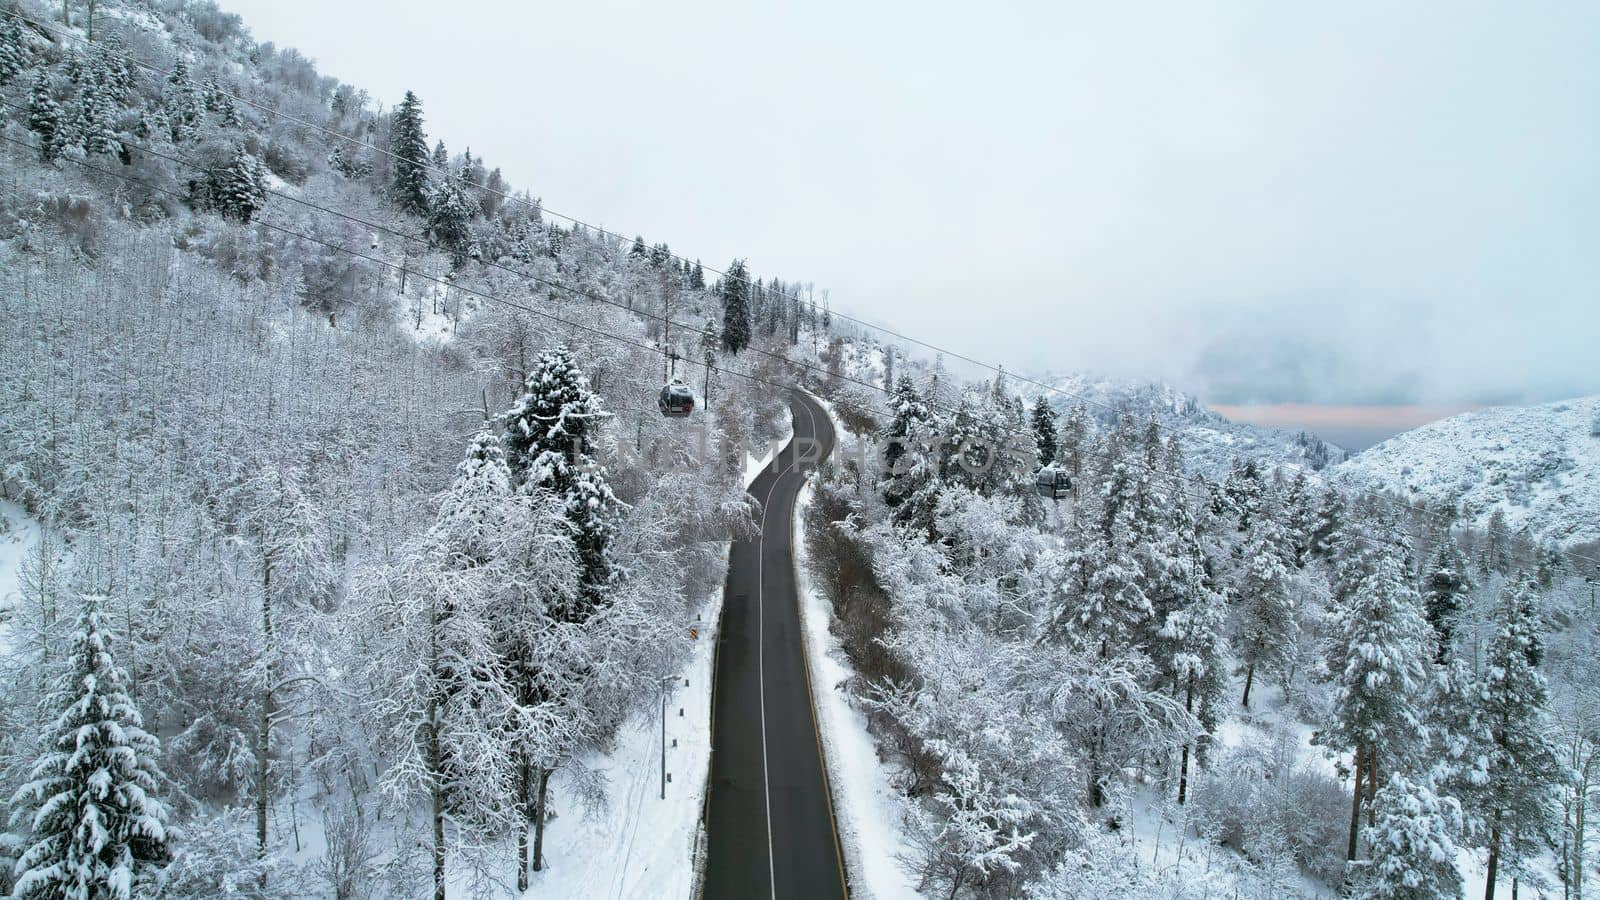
(666, 681)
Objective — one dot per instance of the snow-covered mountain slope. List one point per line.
(1540, 464)
(1211, 441)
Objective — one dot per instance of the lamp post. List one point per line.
(666, 682)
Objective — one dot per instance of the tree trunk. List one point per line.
(1492, 871)
(524, 788)
(538, 821)
(435, 761)
(1355, 809)
(1249, 679)
(438, 831)
(264, 735)
(1372, 788)
(1183, 765)
(1577, 840)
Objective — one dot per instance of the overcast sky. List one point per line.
(1275, 202)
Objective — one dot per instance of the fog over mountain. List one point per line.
(1260, 203)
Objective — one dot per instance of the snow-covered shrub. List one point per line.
(73, 215)
(842, 561)
(217, 858)
(1254, 787)
(347, 866)
(236, 249)
(286, 160)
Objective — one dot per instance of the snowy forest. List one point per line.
(351, 538)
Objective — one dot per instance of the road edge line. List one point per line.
(805, 652)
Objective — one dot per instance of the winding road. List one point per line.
(769, 817)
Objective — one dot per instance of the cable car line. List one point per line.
(1024, 433)
(1395, 503)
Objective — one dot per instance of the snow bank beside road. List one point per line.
(640, 845)
(866, 808)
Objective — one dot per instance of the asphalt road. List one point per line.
(769, 820)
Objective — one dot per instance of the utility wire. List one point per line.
(1020, 434)
(1399, 505)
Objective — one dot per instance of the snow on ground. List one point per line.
(1269, 717)
(640, 845)
(866, 807)
(18, 535)
(1160, 835)
(753, 465)
(431, 318)
(279, 185)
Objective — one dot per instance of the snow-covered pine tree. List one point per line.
(907, 410)
(1190, 645)
(184, 107)
(1328, 523)
(13, 50)
(112, 71)
(549, 440)
(1299, 518)
(153, 124)
(95, 826)
(450, 697)
(1074, 442)
(1513, 806)
(1245, 491)
(450, 215)
(1413, 843)
(940, 389)
(44, 117)
(1104, 606)
(1267, 627)
(1377, 654)
(735, 308)
(1443, 588)
(1496, 553)
(95, 128)
(409, 144)
(1044, 430)
(238, 188)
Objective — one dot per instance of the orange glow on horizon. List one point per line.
(1313, 415)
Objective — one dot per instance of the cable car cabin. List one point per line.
(1054, 484)
(677, 401)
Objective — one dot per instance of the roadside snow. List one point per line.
(754, 466)
(640, 845)
(866, 808)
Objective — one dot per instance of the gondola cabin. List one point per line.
(1054, 483)
(677, 401)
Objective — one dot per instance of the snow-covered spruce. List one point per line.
(94, 823)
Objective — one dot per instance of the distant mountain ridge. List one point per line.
(1539, 464)
(1211, 440)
